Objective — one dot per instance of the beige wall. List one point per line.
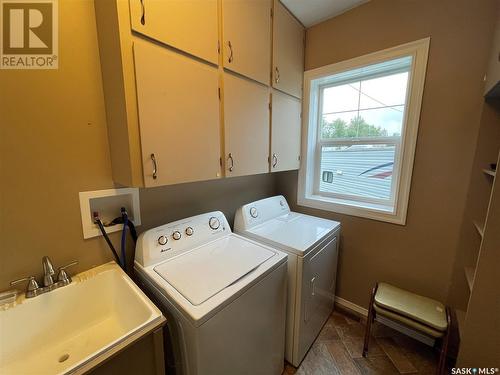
(53, 144)
(420, 255)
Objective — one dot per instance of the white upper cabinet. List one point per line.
(175, 113)
(247, 38)
(188, 25)
(285, 132)
(246, 126)
(178, 105)
(288, 52)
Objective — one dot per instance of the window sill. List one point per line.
(354, 208)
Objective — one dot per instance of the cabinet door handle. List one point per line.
(143, 10)
(155, 169)
(313, 286)
(230, 58)
(275, 160)
(276, 75)
(230, 158)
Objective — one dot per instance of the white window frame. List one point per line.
(308, 191)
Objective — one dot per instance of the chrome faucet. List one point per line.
(33, 289)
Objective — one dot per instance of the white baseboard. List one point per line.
(389, 323)
(351, 306)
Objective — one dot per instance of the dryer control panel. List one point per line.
(169, 240)
(257, 212)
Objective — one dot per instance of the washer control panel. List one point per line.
(166, 241)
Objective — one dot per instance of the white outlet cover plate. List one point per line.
(92, 230)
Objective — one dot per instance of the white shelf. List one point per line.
(489, 172)
(469, 275)
(479, 228)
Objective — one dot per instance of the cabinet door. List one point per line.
(188, 25)
(288, 52)
(246, 119)
(247, 38)
(285, 132)
(178, 105)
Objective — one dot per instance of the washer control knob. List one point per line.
(189, 231)
(253, 212)
(214, 223)
(176, 235)
(162, 240)
(282, 204)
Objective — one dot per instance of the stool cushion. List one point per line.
(408, 322)
(421, 309)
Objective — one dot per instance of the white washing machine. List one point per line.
(225, 295)
(312, 247)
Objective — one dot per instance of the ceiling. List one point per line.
(311, 12)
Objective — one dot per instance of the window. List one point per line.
(361, 119)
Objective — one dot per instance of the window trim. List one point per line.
(306, 193)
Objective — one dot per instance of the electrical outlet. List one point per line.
(108, 204)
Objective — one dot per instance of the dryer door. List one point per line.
(318, 292)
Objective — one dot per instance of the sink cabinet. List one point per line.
(145, 357)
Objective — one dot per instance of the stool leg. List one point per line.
(444, 346)
(369, 321)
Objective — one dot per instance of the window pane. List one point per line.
(380, 122)
(371, 107)
(384, 91)
(359, 170)
(341, 98)
(389, 120)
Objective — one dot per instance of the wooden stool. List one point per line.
(421, 314)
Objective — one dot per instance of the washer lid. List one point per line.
(206, 270)
(294, 232)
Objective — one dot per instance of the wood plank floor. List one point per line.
(338, 348)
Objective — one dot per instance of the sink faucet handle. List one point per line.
(32, 284)
(62, 276)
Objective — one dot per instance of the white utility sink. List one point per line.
(70, 328)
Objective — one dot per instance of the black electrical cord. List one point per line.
(105, 235)
(124, 238)
(133, 232)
